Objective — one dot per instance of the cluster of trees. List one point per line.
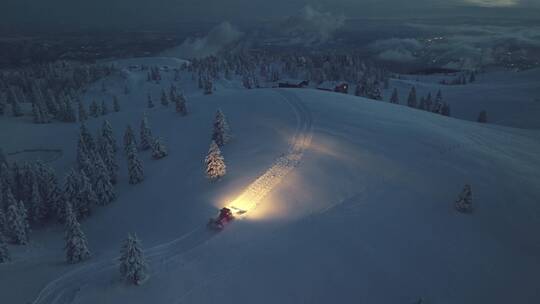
(427, 103)
(255, 68)
(50, 88)
(171, 97)
(96, 109)
(461, 79)
(215, 163)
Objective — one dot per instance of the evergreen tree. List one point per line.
(472, 78)
(411, 100)
(395, 97)
(135, 167)
(164, 99)
(94, 109)
(76, 245)
(215, 164)
(109, 159)
(116, 104)
(104, 109)
(482, 117)
(48, 187)
(39, 209)
(69, 112)
(158, 149)
(86, 197)
(146, 134)
(16, 225)
(103, 187)
(87, 140)
(438, 97)
(150, 102)
(4, 251)
(221, 134)
(133, 265)
(129, 139)
(464, 202)
(181, 107)
(108, 135)
(83, 116)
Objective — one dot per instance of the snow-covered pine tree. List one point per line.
(482, 117)
(4, 251)
(150, 102)
(69, 114)
(215, 164)
(76, 244)
(86, 197)
(104, 109)
(109, 159)
(411, 100)
(135, 167)
(164, 99)
(464, 202)
(116, 103)
(221, 134)
(133, 265)
(102, 185)
(94, 109)
(16, 225)
(145, 134)
(158, 149)
(48, 187)
(181, 107)
(129, 139)
(438, 97)
(108, 136)
(87, 139)
(83, 116)
(395, 97)
(38, 213)
(36, 113)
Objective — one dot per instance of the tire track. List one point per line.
(64, 289)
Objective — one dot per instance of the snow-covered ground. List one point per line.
(352, 201)
(510, 98)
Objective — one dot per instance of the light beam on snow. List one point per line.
(264, 184)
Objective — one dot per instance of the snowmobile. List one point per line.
(224, 217)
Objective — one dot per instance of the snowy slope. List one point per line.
(357, 206)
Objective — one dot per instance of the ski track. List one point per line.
(64, 289)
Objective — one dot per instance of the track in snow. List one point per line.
(64, 289)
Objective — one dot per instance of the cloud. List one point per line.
(397, 49)
(217, 39)
(494, 3)
(464, 46)
(312, 26)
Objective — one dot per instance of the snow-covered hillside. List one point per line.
(510, 98)
(350, 200)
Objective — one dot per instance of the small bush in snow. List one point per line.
(464, 202)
